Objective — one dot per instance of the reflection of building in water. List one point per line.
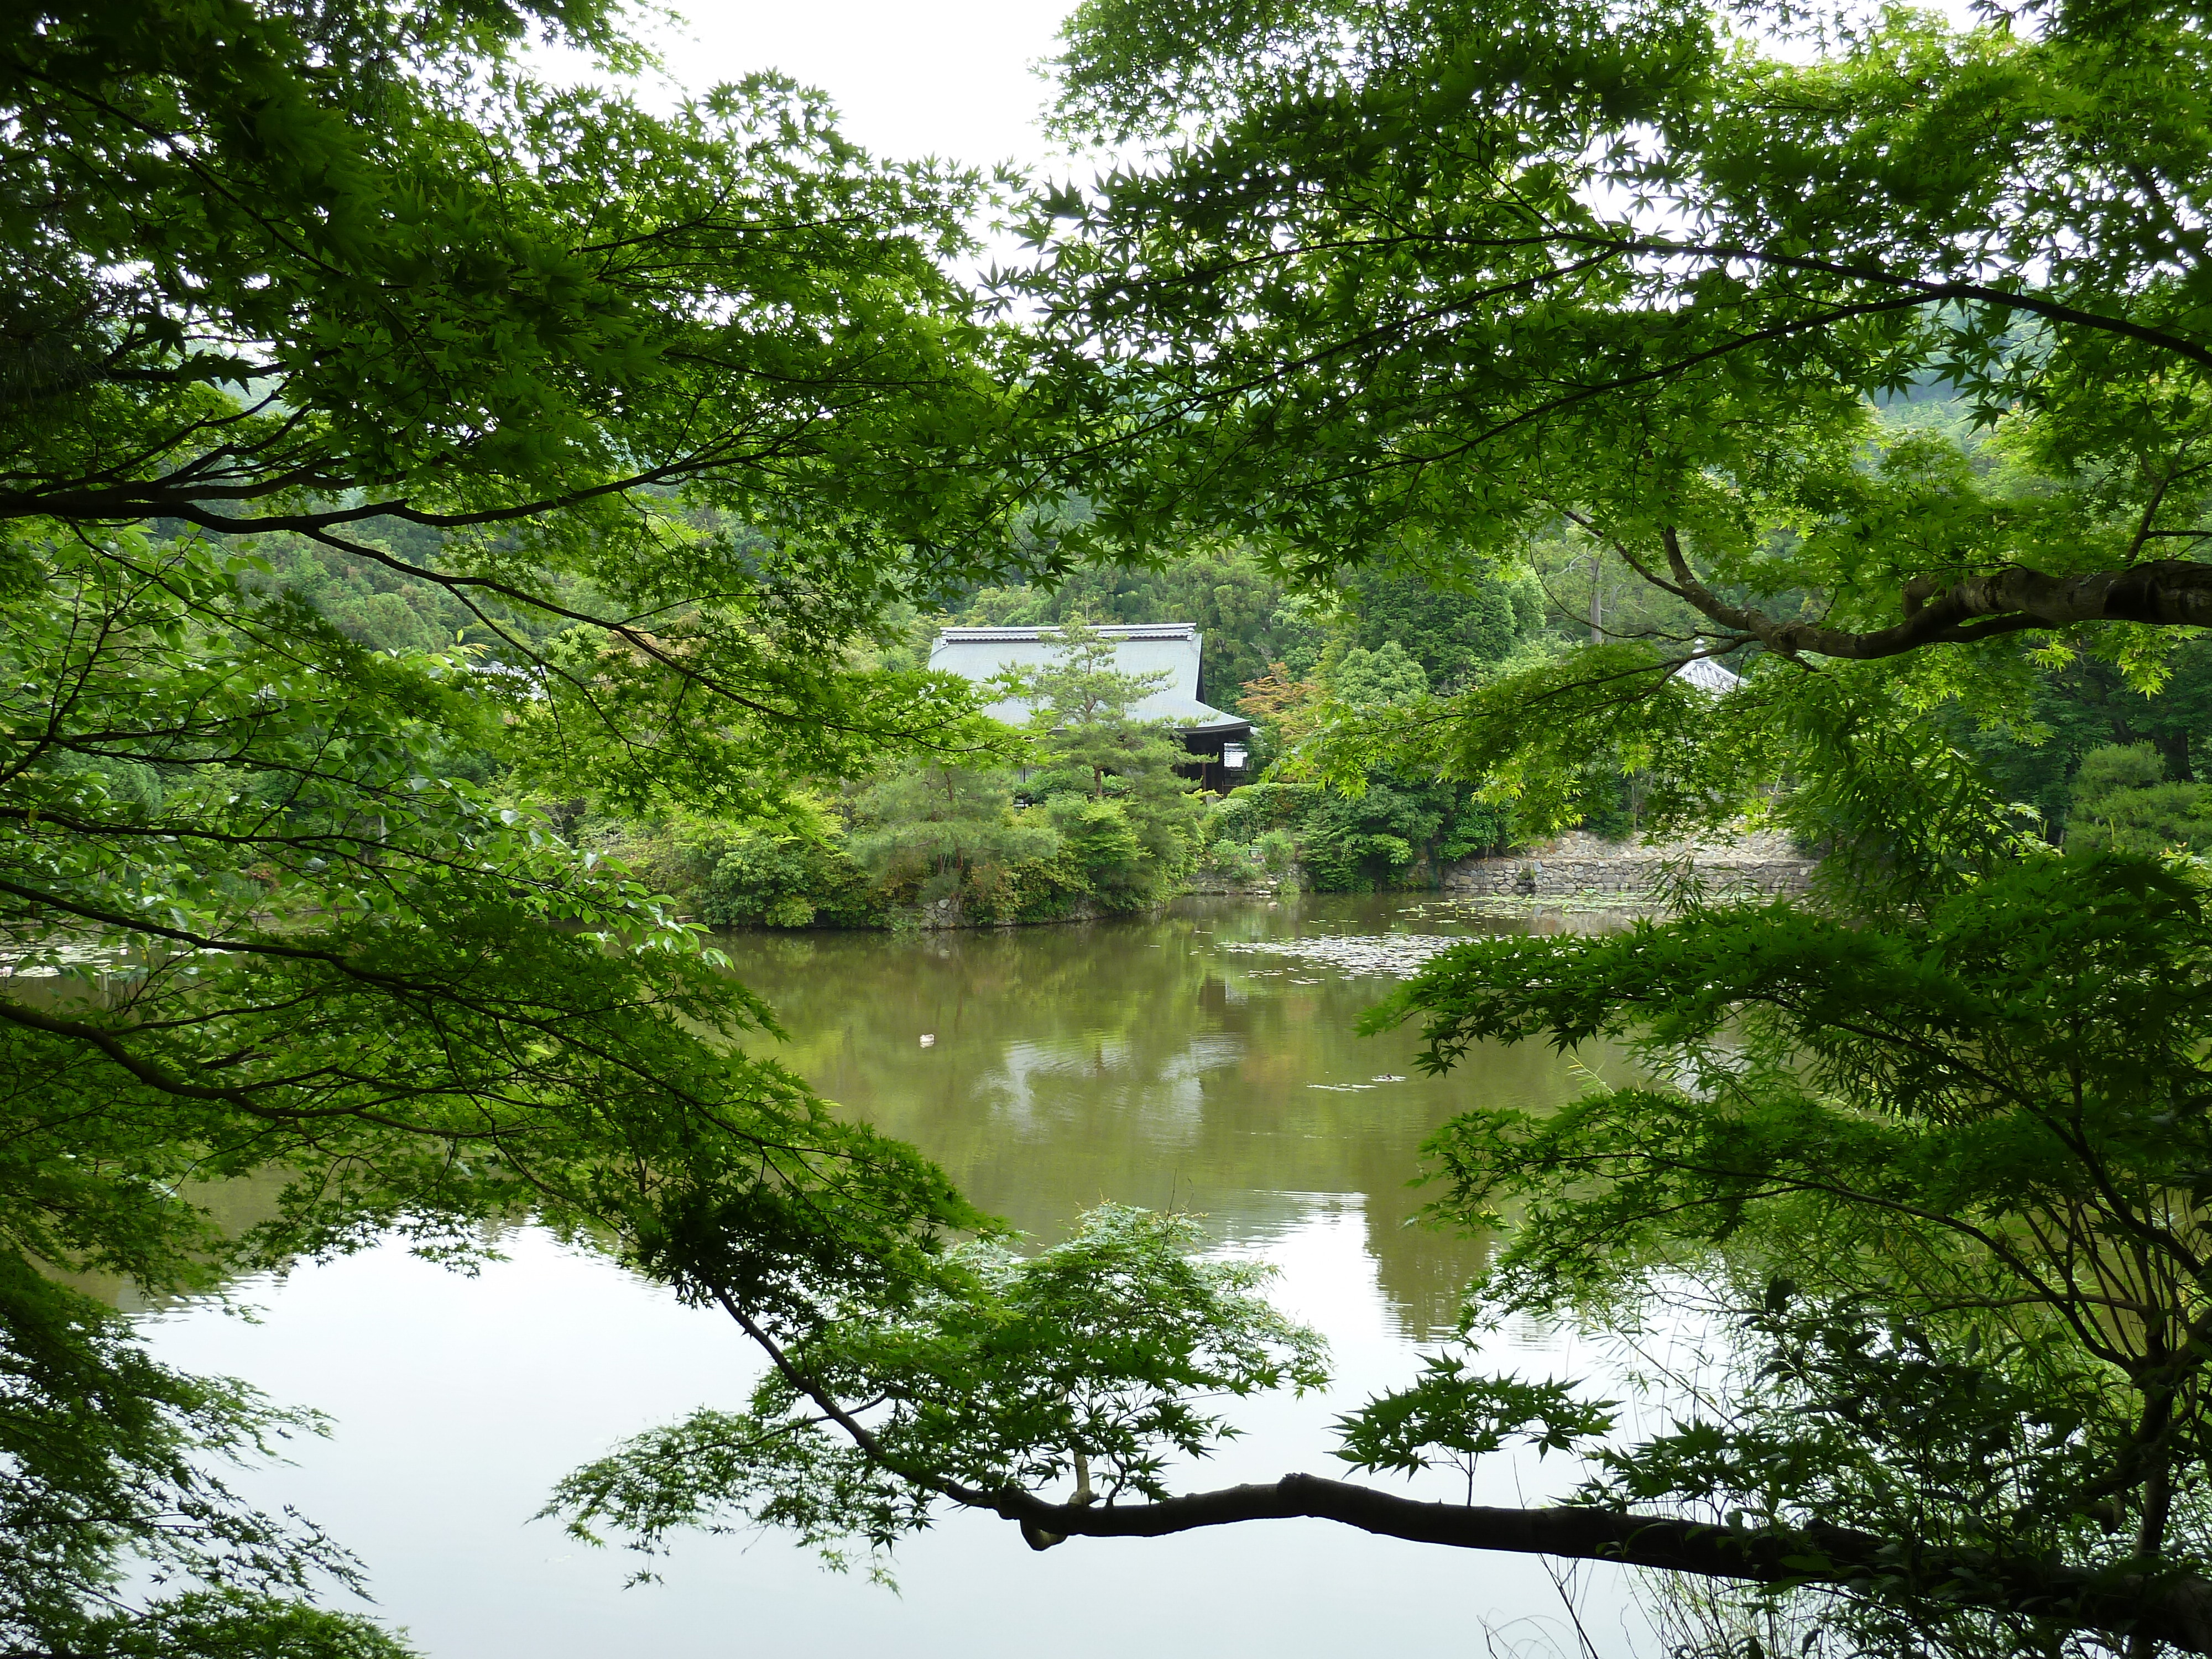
(1217, 996)
(1035, 1085)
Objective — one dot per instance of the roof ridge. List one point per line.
(1021, 631)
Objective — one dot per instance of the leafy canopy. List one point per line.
(1094, 1359)
(1950, 1175)
(1444, 289)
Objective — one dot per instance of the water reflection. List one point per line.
(1142, 1061)
(1138, 1060)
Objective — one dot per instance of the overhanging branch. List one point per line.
(2160, 593)
(2172, 1608)
(2176, 1611)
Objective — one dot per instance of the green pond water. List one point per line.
(1152, 1063)
(1156, 1060)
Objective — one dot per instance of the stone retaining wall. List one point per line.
(1212, 884)
(1578, 863)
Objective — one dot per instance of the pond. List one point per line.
(1187, 1059)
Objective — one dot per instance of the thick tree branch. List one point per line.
(2177, 1612)
(2161, 592)
(2114, 1602)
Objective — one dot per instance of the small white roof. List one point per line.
(1173, 648)
(1709, 676)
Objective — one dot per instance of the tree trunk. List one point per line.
(2175, 748)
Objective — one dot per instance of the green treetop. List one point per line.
(938, 826)
(1081, 686)
(1136, 829)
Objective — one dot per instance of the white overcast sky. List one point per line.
(950, 78)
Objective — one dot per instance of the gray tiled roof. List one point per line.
(977, 654)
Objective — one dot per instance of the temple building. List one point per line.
(1221, 744)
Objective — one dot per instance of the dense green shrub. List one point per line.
(1393, 835)
(2078, 707)
(1101, 841)
(1402, 826)
(928, 831)
(1477, 829)
(752, 878)
(1042, 890)
(1238, 861)
(2122, 801)
(1608, 809)
(1246, 814)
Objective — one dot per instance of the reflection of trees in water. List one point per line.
(1129, 1060)
(1134, 1061)
(232, 1207)
(1423, 1271)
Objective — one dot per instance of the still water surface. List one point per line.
(1147, 1062)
